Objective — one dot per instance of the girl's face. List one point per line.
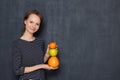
(32, 23)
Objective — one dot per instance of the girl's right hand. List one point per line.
(47, 67)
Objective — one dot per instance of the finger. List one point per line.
(57, 47)
(55, 68)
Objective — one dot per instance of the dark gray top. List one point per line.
(28, 53)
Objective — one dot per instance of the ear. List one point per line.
(25, 22)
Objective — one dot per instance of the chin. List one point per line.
(32, 31)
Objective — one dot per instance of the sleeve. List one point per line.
(18, 69)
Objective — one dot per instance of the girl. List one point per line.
(28, 50)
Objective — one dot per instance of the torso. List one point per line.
(32, 53)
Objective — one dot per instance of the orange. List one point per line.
(52, 45)
(53, 62)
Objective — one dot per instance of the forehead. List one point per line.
(34, 17)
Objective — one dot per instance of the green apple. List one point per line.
(53, 52)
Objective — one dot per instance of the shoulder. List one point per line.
(40, 39)
(15, 42)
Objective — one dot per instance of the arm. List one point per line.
(46, 54)
(36, 67)
(18, 69)
(17, 66)
(32, 68)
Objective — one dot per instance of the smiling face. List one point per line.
(32, 23)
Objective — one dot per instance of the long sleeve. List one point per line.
(18, 68)
(26, 54)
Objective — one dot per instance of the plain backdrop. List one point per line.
(87, 33)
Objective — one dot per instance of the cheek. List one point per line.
(27, 24)
(37, 28)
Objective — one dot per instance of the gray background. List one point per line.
(87, 33)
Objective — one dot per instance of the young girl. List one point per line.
(28, 50)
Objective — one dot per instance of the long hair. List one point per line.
(27, 14)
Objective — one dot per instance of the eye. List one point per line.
(31, 21)
(37, 24)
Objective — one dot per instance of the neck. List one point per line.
(27, 36)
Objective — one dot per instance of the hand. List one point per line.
(47, 67)
(56, 46)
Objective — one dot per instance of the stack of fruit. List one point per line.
(53, 52)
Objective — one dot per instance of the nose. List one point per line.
(34, 25)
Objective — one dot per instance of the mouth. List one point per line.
(33, 29)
